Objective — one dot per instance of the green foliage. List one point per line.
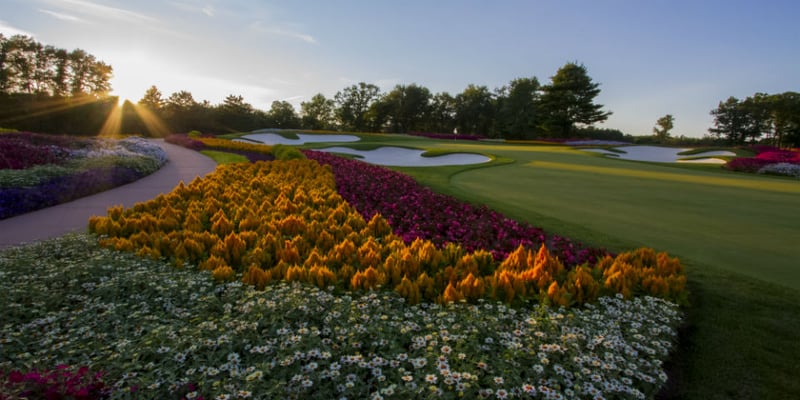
(144, 165)
(282, 115)
(224, 157)
(284, 152)
(518, 113)
(663, 126)
(353, 104)
(407, 106)
(569, 99)
(318, 113)
(475, 110)
(29, 67)
(775, 118)
(18, 178)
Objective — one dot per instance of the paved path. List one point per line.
(184, 165)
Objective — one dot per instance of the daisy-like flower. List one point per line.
(501, 394)
(419, 362)
(431, 378)
(529, 389)
(446, 349)
(244, 394)
(498, 380)
(254, 376)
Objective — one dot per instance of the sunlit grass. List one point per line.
(224, 157)
(677, 176)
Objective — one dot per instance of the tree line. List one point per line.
(765, 118)
(29, 67)
(520, 110)
(48, 89)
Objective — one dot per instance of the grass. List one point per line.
(224, 157)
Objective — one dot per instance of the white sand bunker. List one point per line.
(663, 154)
(302, 138)
(401, 157)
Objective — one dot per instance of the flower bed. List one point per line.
(766, 157)
(284, 220)
(414, 211)
(159, 332)
(78, 169)
(62, 383)
(253, 152)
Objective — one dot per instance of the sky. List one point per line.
(650, 57)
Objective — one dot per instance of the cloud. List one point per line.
(207, 9)
(101, 11)
(9, 30)
(258, 26)
(293, 98)
(62, 16)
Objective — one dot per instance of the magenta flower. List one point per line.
(415, 211)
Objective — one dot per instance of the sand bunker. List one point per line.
(272, 138)
(401, 157)
(663, 154)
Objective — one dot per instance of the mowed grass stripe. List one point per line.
(738, 182)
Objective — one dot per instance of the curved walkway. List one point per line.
(184, 165)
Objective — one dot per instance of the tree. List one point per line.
(152, 99)
(318, 113)
(737, 121)
(663, 126)
(442, 113)
(60, 85)
(353, 104)
(407, 107)
(27, 66)
(569, 99)
(282, 115)
(475, 110)
(518, 113)
(234, 114)
(785, 111)
(5, 74)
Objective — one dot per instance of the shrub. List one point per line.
(283, 152)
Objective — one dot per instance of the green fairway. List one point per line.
(737, 234)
